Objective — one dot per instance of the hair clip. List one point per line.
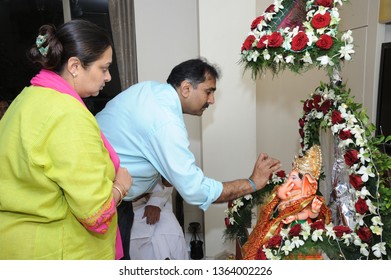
(40, 40)
(44, 50)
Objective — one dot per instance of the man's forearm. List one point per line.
(235, 189)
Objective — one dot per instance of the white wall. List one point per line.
(167, 34)
(228, 127)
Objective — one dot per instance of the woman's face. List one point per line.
(92, 79)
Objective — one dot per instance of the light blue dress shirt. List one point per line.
(145, 126)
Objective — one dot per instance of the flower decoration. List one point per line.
(239, 213)
(331, 107)
(297, 35)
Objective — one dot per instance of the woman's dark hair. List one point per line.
(194, 71)
(76, 38)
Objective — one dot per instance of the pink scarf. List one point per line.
(49, 79)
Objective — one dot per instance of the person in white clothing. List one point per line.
(156, 233)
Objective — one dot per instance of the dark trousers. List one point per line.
(125, 222)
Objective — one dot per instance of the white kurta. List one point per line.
(161, 240)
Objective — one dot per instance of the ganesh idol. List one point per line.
(295, 201)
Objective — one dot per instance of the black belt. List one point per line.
(141, 196)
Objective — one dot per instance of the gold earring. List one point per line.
(74, 75)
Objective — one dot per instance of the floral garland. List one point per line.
(331, 107)
(298, 48)
(239, 213)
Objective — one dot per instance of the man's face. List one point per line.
(201, 97)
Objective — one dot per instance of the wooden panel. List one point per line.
(385, 11)
(354, 14)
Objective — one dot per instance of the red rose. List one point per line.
(295, 230)
(308, 105)
(351, 157)
(260, 255)
(324, 3)
(356, 181)
(336, 117)
(256, 21)
(365, 234)
(320, 21)
(325, 42)
(317, 99)
(274, 241)
(281, 174)
(301, 122)
(261, 43)
(275, 40)
(270, 9)
(247, 45)
(361, 206)
(326, 105)
(345, 134)
(317, 225)
(340, 230)
(299, 41)
(230, 204)
(227, 223)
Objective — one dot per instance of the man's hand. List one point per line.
(152, 213)
(263, 168)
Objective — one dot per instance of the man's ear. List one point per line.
(73, 66)
(185, 88)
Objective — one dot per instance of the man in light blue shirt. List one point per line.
(145, 126)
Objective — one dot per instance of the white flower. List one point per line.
(325, 60)
(334, 16)
(278, 5)
(270, 255)
(376, 230)
(284, 233)
(317, 235)
(297, 242)
(253, 55)
(366, 172)
(346, 237)
(379, 249)
(266, 55)
(268, 16)
(363, 193)
(290, 59)
(288, 247)
(338, 2)
(364, 249)
(330, 231)
(347, 37)
(372, 208)
(307, 58)
(376, 220)
(248, 197)
(278, 58)
(364, 156)
(346, 51)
